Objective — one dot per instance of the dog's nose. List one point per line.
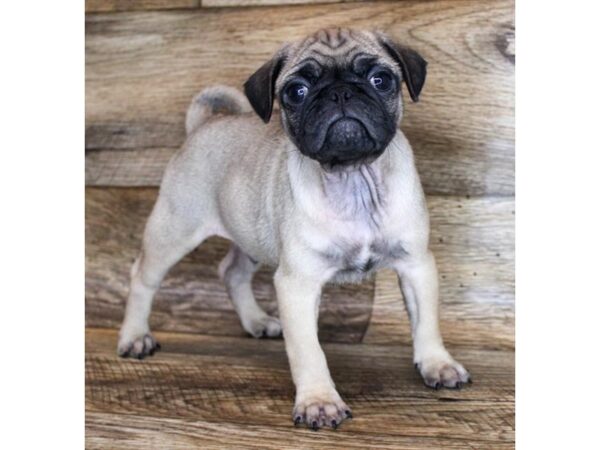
(340, 94)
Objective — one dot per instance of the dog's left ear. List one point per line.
(260, 87)
(414, 67)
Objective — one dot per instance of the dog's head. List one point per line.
(339, 92)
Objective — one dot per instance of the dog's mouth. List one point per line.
(347, 143)
(347, 134)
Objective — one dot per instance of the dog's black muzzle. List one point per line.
(344, 126)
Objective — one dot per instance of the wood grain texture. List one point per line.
(191, 298)
(222, 392)
(142, 69)
(234, 3)
(95, 6)
(138, 5)
(129, 167)
(473, 240)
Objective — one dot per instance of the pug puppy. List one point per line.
(329, 193)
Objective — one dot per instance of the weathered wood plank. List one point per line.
(137, 5)
(473, 240)
(192, 298)
(232, 392)
(142, 69)
(107, 430)
(132, 167)
(96, 6)
(236, 3)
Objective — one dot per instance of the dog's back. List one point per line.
(225, 168)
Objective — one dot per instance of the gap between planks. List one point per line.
(108, 6)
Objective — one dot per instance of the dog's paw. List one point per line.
(317, 410)
(263, 327)
(443, 371)
(137, 347)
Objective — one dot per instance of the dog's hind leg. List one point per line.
(236, 271)
(168, 237)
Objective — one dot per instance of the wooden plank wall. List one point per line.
(471, 239)
(142, 69)
(145, 60)
(149, 5)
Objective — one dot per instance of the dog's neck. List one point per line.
(353, 194)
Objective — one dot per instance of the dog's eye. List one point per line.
(382, 81)
(296, 93)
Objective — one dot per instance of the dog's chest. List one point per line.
(354, 259)
(358, 242)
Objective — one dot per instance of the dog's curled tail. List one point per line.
(212, 101)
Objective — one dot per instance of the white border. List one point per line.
(42, 225)
(42, 199)
(558, 225)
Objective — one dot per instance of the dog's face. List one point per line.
(339, 92)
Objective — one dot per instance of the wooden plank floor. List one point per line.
(226, 392)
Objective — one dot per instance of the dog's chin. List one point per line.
(346, 156)
(335, 166)
(344, 159)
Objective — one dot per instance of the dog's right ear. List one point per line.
(260, 87)
(413, 66)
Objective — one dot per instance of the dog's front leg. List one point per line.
(419, 283)
(317, 402)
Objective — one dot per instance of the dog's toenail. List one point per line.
(297, 420)
(334, 424)
(315, 425)
(348, 414)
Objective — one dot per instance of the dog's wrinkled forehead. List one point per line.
(338, 52)
(333, 48)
